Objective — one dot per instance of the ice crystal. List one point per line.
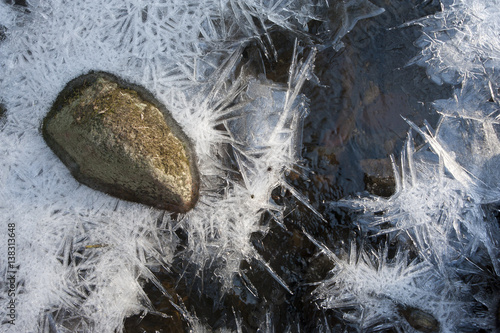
(439, 213)
(84, 256)
(261, 133)
(460, 42)
(444, 187)
(373, 291)
(437, 209)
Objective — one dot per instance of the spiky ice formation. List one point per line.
(446, 188)
(460, 42)
(84, 256)
(437, 211)
(263, 122)
(376, 292)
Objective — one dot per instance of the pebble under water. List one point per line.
(355, 123)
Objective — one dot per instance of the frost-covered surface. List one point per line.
(461, 42)
(452, 238)
(374, 291)
(447, 192)
(262, 130)
(81, 256)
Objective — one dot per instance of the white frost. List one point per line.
(84, 256)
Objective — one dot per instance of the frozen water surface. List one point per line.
(348, 153)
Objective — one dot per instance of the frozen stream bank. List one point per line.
(293, 141)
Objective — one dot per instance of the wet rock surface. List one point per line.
(116, 138)
(420, 320)
(357, 111)
(379, 178)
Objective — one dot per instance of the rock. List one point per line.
(420, 320)
(117, 138)
(378, 177)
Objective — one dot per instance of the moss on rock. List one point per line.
(117, 138)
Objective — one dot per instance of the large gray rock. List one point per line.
(117, 138)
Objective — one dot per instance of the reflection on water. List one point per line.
(355, 124)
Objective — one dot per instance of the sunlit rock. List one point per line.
(116, 138)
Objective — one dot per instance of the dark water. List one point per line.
(354, 125)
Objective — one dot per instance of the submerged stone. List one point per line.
(117, 138)
(379, 177)
(420, 320)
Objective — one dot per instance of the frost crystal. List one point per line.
(373, 291)
(446, 188)
(461, 42)
(436, 208)
(262, 135)
(82, 257)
